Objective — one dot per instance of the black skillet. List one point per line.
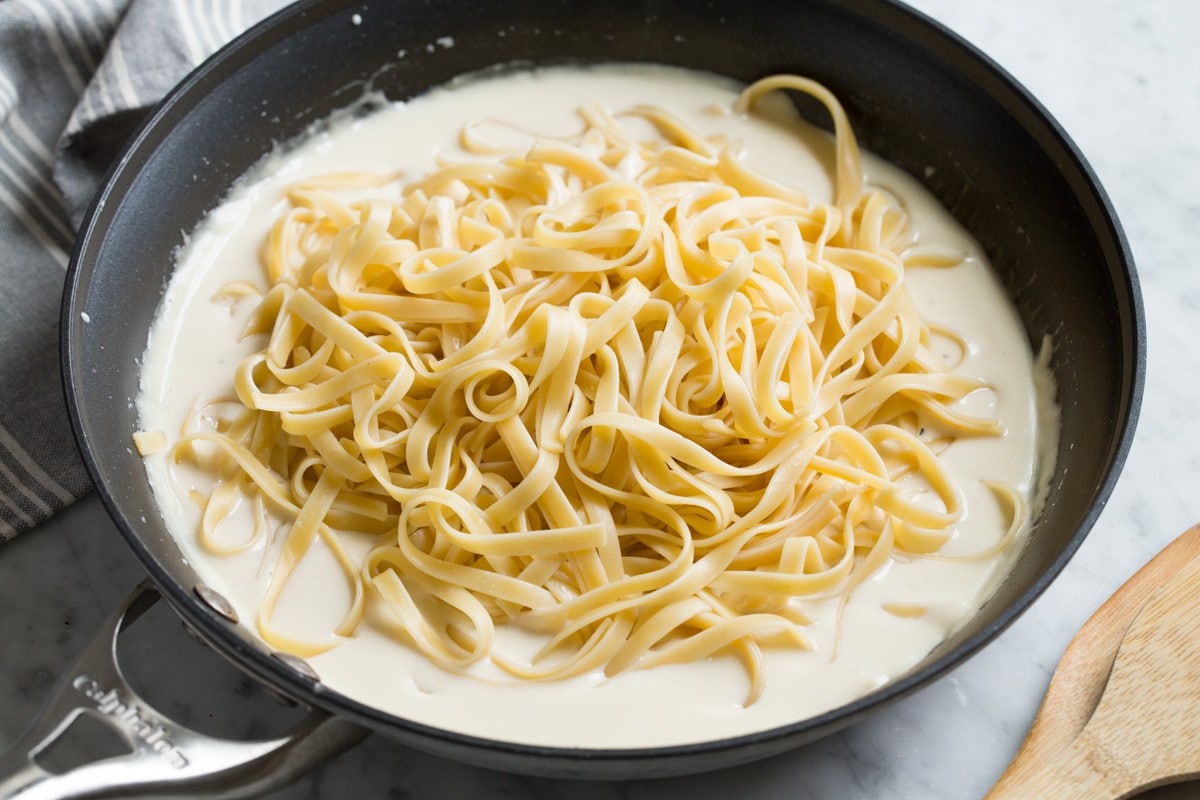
(915, 93)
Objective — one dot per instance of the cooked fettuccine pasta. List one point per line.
(614, 388)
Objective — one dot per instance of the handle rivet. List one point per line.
(217, 602)
(298, 664)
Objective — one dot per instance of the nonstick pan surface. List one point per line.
(915, 93)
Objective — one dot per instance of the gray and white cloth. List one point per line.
(76, 77)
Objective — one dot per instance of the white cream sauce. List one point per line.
(193, 349)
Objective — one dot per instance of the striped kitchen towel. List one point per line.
(76, 76)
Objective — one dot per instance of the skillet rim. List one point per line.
(928, 36)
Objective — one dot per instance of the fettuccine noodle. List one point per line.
(627, 394)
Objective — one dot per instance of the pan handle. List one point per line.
(166, 759)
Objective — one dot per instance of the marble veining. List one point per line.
(1122, 80)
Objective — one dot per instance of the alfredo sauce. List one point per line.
(890, 622)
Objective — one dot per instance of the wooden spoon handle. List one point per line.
(1078, 772)
(1078, 682)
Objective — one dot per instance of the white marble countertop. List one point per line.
(1122, 78)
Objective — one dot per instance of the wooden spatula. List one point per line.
(1122, 713)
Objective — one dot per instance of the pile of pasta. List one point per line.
(624, 393)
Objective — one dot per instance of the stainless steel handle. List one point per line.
(165, 758)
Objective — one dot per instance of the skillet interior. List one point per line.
(915, 94)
